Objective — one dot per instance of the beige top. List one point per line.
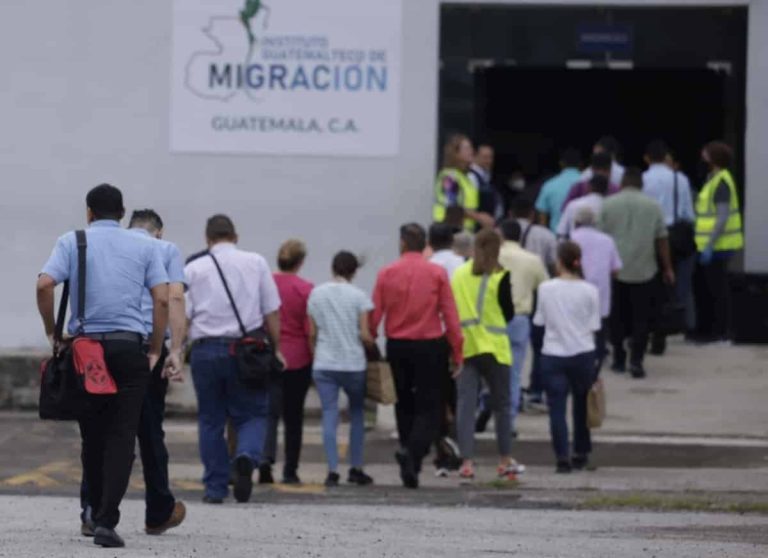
(526, 272)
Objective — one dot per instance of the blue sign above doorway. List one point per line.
(604, 38)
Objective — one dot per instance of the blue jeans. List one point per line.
(328, 383)
(562, 375)
(519, 331)
(220, 395)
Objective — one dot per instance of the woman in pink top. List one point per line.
(289, 391)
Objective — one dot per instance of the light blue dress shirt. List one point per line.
(553, 194)
(659, 184)
(173, 264)
(120, 265)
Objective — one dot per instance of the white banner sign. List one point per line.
(313, 77)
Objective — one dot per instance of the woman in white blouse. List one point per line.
(569, 310)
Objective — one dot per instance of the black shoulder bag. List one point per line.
(255, 354)
(682, 239)
(62, 389)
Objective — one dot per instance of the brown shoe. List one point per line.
(177, 516)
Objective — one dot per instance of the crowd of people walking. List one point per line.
(605, 254)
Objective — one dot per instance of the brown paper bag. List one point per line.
(596, 405)
(380, 386)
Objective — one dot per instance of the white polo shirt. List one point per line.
(250, 281)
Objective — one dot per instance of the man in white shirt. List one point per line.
(609, 145)
(598, 189)
(441, 243)
(214, 328)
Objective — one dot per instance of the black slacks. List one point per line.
(109, 432)
(631, 314)
(287, 395)
(418, 367)
(712, 297)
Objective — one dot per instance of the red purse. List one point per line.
(88, 357)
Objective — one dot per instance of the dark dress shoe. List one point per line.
(408, 473)
(87, 528)
(291, 478)
(265, 474)
(563, 467)
(211, 500)
(332, 480)
(108, 538)
(637, 371)
(177, 516)
(359, 477)
(244, 481)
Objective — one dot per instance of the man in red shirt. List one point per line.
(414, 298)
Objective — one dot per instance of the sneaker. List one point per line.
(291, 478)
(564, 467)
(265, 474)
(244, 481)
(407, 469)
(177, 517)
(482, 421)
(87, 528)
(582, 463)
(332, 480)
(358, 477)
(442, 473)
(637, 371)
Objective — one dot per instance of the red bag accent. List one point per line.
(88, 356)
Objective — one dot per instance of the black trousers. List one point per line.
(601, 344)
(109, 432)
(287, 395)
(418, 368)
(536, 385)
(447, 411)
(631, 314)
(712, 299)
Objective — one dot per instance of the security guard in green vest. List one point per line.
(483, 294)
(719, 234)
(454, 188)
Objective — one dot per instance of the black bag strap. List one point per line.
(229, 295)
(82, 244)
(674, 217)
(527, 231)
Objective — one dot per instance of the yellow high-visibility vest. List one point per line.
(706, 216)
(469, 196)
(482, 319)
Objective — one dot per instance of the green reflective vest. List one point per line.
(482, 320)
(469, 196)
(706, 216)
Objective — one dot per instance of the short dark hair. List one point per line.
(570, 157)
(522, 207)
(440, 236)
(569, 256)
(720, 154)
(345, 264)
(414, 237)
(657, 151)
(633, 177)
(146, 218)
(220, 227)
(106, 202)
(601, 161)
(511, 230)
(610, 145)
(599, 184)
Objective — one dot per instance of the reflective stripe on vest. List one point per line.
(468, 197)
(482, 319)
(732, 237)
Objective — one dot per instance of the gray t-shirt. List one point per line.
(335, 308)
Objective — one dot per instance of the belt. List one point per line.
(116, 336)
(216, 340)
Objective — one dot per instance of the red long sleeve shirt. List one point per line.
(414, 298)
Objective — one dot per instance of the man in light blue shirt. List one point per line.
(549, 204)
(659, 184)
(119, 267)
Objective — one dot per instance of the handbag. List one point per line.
(63, 394)
(254, 352)
(596, 405)
(682, 237)
(379, 383)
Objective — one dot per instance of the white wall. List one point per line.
(85, 100)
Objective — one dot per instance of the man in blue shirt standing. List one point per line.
(549, 204)
(120, 265)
